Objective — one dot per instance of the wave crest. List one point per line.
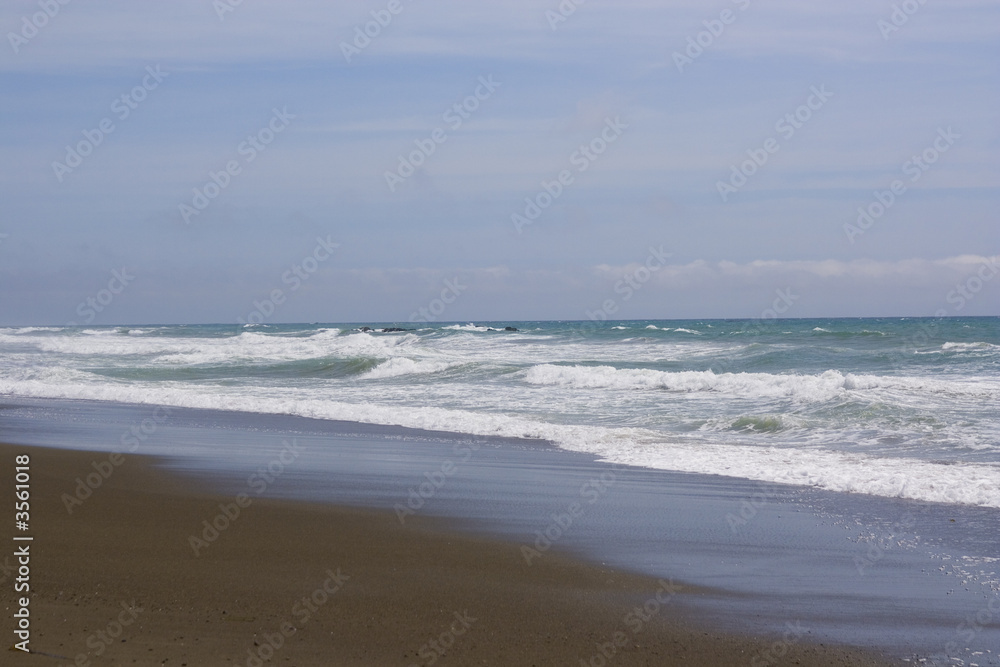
(398, 366)
(824, 386)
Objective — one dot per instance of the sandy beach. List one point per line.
(117, 582)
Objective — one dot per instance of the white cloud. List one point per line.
(898, 271)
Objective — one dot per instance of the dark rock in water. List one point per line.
(510, 328)
(365, 329)
(393, 329)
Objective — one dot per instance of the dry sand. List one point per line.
(117, 582)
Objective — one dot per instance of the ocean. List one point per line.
(894, 407)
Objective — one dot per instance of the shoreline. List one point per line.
(116, 581)
(890, 575)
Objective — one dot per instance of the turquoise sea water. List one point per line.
(899, 407)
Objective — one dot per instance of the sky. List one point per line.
(221, 161)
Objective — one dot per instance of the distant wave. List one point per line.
(751, 424)
(822, 387)
(849, 334)
(466, 327)
(970, 347)
(678, 329)
(27, 330)
(399, 366)
(246, 347)
(472, 327)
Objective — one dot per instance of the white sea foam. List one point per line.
(247, 347)
(977, 484)
(398, 366)
(822, 387)
(465, 327)
(970, 347)
(27, 330)
(678, 329)
(252, 347)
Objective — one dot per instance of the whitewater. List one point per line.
(895, 407)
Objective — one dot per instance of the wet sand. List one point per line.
(118, 582)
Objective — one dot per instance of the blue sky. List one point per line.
(660, 176)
